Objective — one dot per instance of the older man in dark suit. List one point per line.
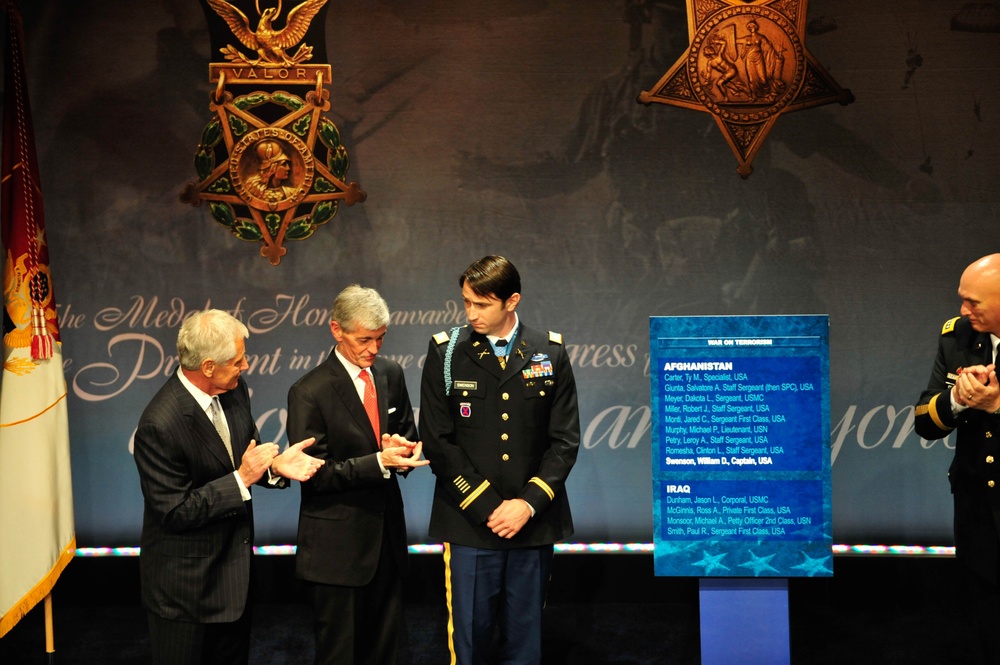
(197, 454)
(352, 533)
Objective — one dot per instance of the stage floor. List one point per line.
(603, 609)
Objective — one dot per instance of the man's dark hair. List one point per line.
(492, 276)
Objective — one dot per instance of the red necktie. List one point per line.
(371, 405)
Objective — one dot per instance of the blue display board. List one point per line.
(741, 446)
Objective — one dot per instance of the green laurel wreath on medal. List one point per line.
(212, 148)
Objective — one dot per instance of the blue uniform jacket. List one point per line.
(500, 434)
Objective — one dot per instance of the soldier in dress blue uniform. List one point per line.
(500, 426)
(963, 394)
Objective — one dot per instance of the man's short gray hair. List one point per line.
(359, 306)
(209, 335)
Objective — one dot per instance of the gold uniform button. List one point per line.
(989, 459)
(541, 393)
(990, 483)
(506, 457)
(504, 437)
(505, 396)
(465, 393)
(505, 416)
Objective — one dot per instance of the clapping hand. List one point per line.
(399, 453)
(976, 388)
(295, 464)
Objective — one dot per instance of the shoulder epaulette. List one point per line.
(441, 337)
(555, 337)
(949, 326)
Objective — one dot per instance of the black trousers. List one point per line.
(981, 603)
(359, 625)
(188, 643)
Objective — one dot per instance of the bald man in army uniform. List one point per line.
(500, 426)
(963, 395)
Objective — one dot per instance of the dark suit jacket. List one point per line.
(500, 434)
(197, 532)
(977, 448)
(348, 505)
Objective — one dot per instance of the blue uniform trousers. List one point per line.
(495, 600)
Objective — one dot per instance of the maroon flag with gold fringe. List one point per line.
(37, 536)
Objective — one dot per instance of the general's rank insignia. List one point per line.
(746, 65)
(270, 166)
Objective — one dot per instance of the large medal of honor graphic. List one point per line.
(271, 167)
(746, 65)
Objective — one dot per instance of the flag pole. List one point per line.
(50, 633)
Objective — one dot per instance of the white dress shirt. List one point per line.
(204, 400)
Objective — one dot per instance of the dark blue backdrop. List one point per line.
(512, 128)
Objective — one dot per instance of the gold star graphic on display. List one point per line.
(746, 65)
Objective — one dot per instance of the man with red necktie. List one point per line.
(352, 552)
